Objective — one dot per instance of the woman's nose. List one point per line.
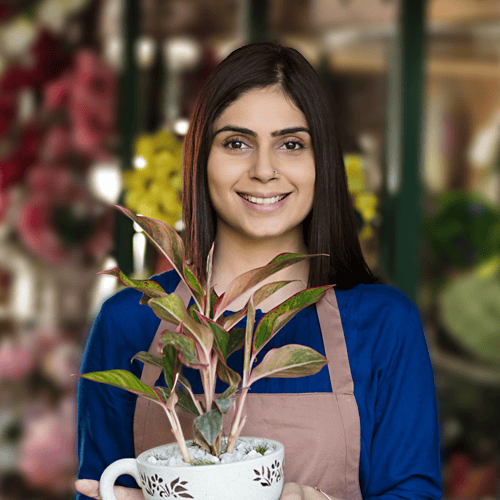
(263, 167)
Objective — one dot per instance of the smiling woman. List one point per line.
(263, 175)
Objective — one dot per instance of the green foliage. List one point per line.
(203, 339)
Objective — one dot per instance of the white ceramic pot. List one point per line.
(259, 478)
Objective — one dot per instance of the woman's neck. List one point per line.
(236, 255)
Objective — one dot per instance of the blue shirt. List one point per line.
(390, 366)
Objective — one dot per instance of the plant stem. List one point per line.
(235, 426)
(178, 434)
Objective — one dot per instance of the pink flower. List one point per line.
(47, 457)
(59, 217)
(16, 361)
(88, 93)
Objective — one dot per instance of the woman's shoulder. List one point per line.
(376, 299)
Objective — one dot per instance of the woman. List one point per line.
(263, 174)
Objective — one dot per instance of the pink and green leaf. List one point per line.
(149, 359)
(289, 361)
(251, 278)
(185, 347)
(147, 287)
(249, 332)
(170, 244)
(171, 308)
(124, 380)
(259, 296)
(227, 375)
(272, 322)
(236, 340)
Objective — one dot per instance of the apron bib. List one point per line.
(320, 431)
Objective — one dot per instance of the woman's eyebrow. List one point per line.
(247, 131)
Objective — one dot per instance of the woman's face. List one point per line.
(261, 167)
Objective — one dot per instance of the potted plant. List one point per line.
(203, 339)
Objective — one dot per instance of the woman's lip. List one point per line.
(264, 208)
(257, 195)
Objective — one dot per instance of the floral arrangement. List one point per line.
(365, 202)
(154, 186)
(50, 156)
(204, 338)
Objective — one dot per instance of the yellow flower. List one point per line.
(154, 185)
(355, 176)
(366, 204)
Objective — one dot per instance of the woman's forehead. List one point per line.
(267, 107)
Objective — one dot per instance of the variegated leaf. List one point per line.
(171, 308)
(124, 380)
(170, 244)
(227, 375)
(251, 278)
(259, 296)
(185, 347)
(276, 318)
(209, 424)
(236, 340)
(148, 287)
(289, 361)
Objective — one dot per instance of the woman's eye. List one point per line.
(234, 144)
(293, 145)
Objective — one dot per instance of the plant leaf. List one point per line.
(171, 364)
(226, 399)
(278, 317)
(227, 375)
(186, 404)
(200, 440)
(185, 347)
(236, 340)
(249, 332)
(289, 361)
(224, 405)
(170, 244)
(221, 337)
(171, 308)
(124, 380)
(259, 296)
(149, 359)
(148, 287)
(251, 278)
(210, 425)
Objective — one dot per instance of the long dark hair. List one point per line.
(330, 228)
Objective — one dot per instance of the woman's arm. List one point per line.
(404, 453)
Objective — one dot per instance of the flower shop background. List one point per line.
(95, 97)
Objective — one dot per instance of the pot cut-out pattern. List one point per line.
(155, 485)
(269, 475)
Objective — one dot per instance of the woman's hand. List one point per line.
(294, 491)
(90, 488)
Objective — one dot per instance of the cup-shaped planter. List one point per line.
(260, 477)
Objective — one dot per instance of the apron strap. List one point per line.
(343, 387)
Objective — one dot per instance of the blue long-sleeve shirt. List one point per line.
(390, 365)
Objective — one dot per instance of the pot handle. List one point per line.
(111, 473)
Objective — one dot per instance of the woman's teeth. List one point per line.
(263, 201)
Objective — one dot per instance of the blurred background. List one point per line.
(95, 98)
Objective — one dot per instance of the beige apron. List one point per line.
(320, 431)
